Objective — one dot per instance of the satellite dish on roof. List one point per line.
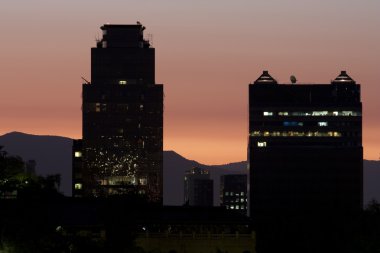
(293, 79)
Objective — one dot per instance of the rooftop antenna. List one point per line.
(86, 81)
(97, 38)
(293, 79)
(150, 38)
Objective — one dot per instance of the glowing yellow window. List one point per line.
(78, 186)
(261, 144)
(78, 154)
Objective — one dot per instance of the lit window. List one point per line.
(122, 82)
(141, 107)
(242, 193)
(237, 207)
(292, 123)
(283, 113)
(268, 113)
(349, 113)
(320, 113)
(227, 193)
(261, 144)
(232, 207)
(335, 113)
(143, 181)
(78, 154)
(242, 200)
(97, 107)
(322, 123)
(255, 133)
(78, 186)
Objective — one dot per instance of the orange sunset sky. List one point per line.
(207, 52)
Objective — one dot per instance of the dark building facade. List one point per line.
(122, 117)
(233, 192)
(198, 187)
(77, 165)
(305, 147)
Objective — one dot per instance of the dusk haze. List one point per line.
(189, 126)
(208, 53)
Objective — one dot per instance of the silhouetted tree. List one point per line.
(16, 183)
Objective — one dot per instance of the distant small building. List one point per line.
(233, 192)
(198, 189)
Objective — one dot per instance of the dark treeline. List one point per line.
(17, 183)
(35, 217)
(354, 233)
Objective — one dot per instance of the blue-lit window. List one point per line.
(292, 123)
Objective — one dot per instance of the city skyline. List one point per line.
(208, 54)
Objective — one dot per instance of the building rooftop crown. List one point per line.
(343, 78)
(265, 78)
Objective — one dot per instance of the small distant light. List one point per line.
(268, 113)
(122, 82)
(261, 144)
(78, 154)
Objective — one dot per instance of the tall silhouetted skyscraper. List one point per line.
(122, 118)
(305, 147)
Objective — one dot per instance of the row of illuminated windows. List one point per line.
(102, 107)
(263, 144)
(237, 200)
(234, 194)
(295, 134)
(297, 123)
(120, 180)
(314, 113)
(237, 207)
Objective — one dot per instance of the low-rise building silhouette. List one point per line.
(233, 192)
(198, 187)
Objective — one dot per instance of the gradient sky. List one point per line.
(207, 52)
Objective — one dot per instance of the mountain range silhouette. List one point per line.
(53, 156)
